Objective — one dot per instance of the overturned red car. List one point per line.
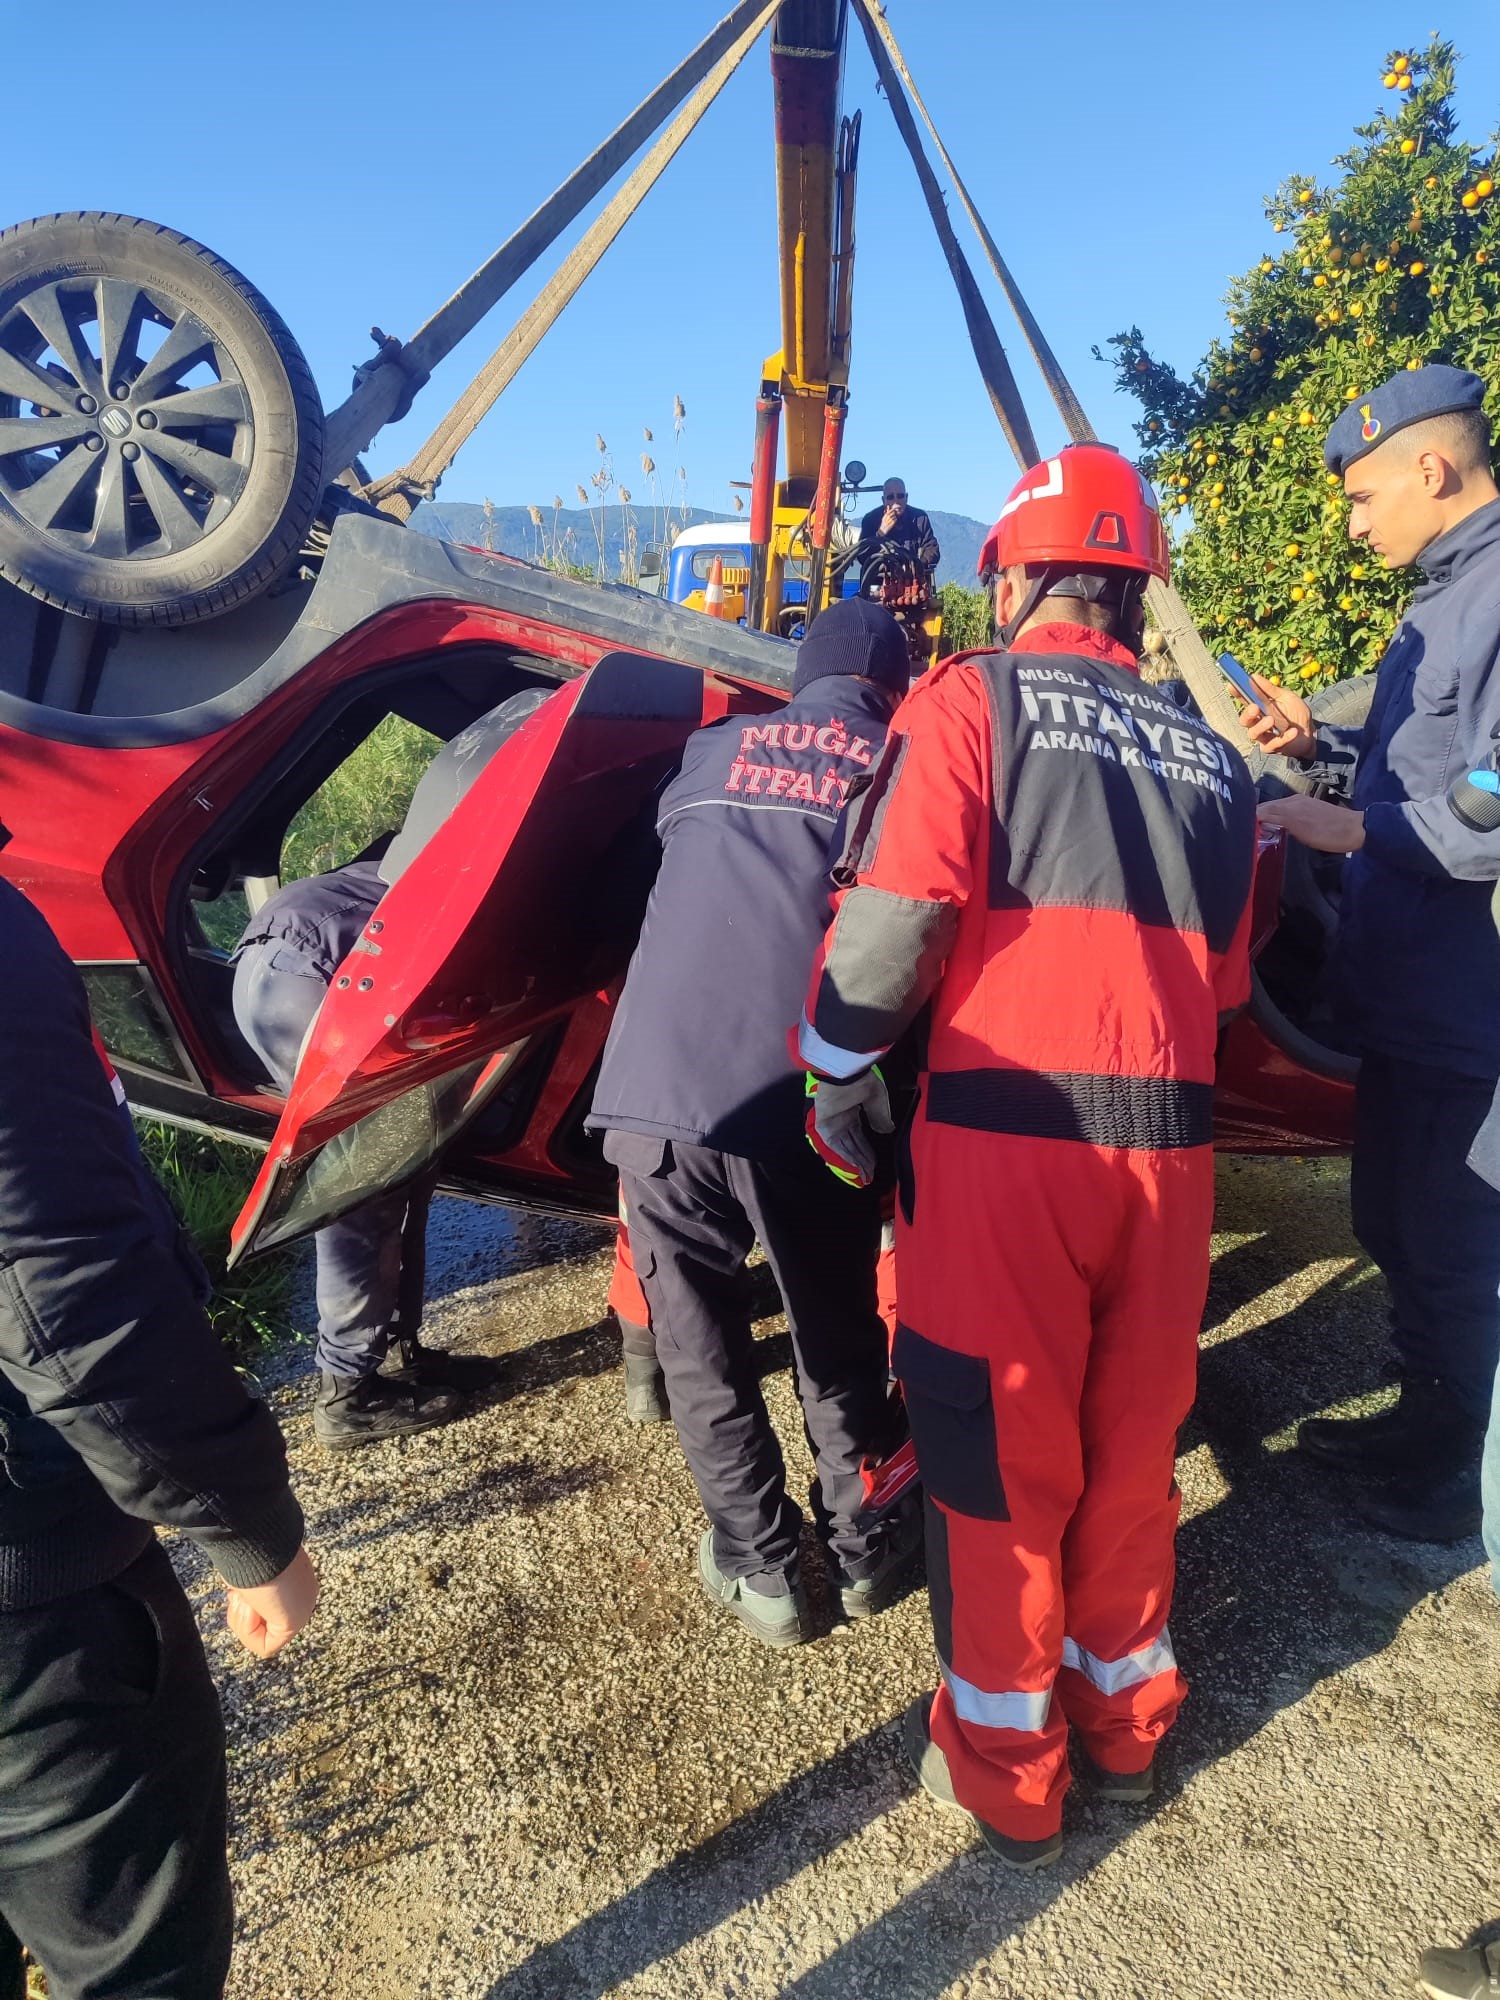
(158, 737)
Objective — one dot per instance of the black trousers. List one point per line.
(695, 1215)
(1430, 1222)
(113, 1869)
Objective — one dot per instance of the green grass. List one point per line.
(207, 1181)
(367, 795)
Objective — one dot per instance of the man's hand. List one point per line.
(1283, 725)
(1316, 823)
(840, 1120)
(891, 516)
(264, 1619)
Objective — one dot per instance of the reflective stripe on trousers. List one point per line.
(1015, 1708)
(1131, 1670)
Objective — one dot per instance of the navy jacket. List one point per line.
(748, 829)
(118, 1407)
(1417, 967)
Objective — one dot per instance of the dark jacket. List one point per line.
(118, 1407)
(1417, 966)
(912, 532)
(748, 827)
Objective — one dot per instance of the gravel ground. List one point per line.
(518, 1758)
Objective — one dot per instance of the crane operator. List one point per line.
(896, 525)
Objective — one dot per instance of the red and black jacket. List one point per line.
(1061, 860)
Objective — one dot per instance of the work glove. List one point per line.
(842, 1119)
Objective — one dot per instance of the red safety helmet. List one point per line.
(1086, 509)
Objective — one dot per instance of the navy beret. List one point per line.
(1408, 398)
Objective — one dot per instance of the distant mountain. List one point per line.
(576, 533)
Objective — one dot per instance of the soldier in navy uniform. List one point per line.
(704, 1115)
(1417, 961)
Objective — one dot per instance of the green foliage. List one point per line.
(367, 795)
(207, 1181)
(967, 618)
(1394, 264)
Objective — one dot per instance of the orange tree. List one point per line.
(1395, 263)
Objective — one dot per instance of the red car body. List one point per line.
(470, 1019)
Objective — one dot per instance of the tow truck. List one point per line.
(207, 602)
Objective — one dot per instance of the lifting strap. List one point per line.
(994, 368)
(384, 385)
(1173, 619)
(399, 492)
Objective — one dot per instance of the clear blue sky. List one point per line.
(357, 162)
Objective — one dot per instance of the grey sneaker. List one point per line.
(645, 1390)
(1461, 1975)
(775, 1621)
(933, 1775)
(864, 1596)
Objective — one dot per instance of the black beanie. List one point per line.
(854, 636)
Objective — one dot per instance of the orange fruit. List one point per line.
(1481, 256)
(1416, 268)
(1293, 550)
(1265, 263)
(1356, 310)
(1304, 417)
(1413, 364)
(1484, 189)
(1389, 79)
(1321, 279)
(1471, 199)
(1309, 670)
(1356, 570)
(1305, 196)
(1278, 442)
(1298, 593)
(1430, 182)
(1408, 145)
(1346, 604)
(1256, 354)
(1403, 83)
(1382, 265)
(1401, 64)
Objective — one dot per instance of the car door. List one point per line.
(525, 902)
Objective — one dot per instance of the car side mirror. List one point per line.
(650, 562)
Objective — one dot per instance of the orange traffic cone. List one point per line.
(713, 597)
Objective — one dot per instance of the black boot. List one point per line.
(421, 1367)
(1425, 1427)
(371, 1408)
(1461, 1975)
(933, 1775)
(645, 1389)
(1436, 1510)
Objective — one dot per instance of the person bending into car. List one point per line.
(119, 1413)
(701, 1106)
(371, 1263)
(1060, 863)
(1416, 962)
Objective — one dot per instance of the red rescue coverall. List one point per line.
(1061, 860)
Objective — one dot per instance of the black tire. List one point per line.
(209, 467)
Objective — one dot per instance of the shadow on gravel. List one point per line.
(509, 1486)
(1280, 1586)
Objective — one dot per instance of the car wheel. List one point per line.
(161, 437)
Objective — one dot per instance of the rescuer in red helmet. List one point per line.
(1057, 862)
